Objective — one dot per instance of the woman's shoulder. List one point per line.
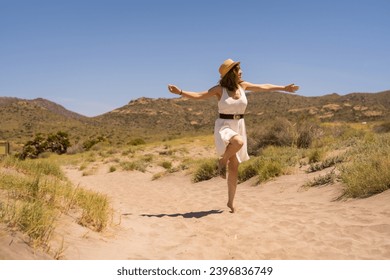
(216, 87)
(217, 91)
(244, 84)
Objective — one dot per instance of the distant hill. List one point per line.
(354, 107)
(147, 117)
(181, 114)
(22, 118)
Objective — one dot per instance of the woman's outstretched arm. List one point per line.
(214, 91)
(269, 87)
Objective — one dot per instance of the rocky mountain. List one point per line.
(22, 118)
(147, 117)
(181, 114)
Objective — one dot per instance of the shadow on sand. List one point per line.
(197, 215)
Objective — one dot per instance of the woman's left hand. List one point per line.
(291, 88)
(174, 89)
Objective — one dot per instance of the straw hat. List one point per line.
(226, 66)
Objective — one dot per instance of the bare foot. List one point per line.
(231, 207)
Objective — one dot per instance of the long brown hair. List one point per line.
(231, 80)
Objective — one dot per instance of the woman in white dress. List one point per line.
(229, 131)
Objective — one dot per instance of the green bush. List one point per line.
(88, 144)
(139, 165)
(328, 162)
(315, 155)
(273, 162)
(369, 172)
(36, 220)
(269, 169)
(326, 179)
(205, 170)
(382, 128)
(279, 132)
(283, 133)
(95, 209)
(55, 143)
(248, 169)
(37, 193)
(137, 142)
(166, 164)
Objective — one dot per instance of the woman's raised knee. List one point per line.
(237, 141)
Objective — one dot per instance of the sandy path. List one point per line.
(172, 218)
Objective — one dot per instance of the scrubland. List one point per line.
(35, 193)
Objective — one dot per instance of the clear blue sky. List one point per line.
(95, 56)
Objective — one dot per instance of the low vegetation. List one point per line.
(322, 180)
(363, 169)
(368, 170)
(271, 163)
(328, 162)
(54, 143)
(205, 170)
(34, 193)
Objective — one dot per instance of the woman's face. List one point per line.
(238, 71)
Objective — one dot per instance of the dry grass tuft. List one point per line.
(38, 193)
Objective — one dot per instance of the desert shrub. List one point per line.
(269, 168)
(128, 151)
(307, 131)
(139, 165)
(33, 167)
(166, 164)
(38, 192)
(158, 175)
(58, 143)
(328, 162)
(205, 170)
(248, 169)
(253, 144)
(369, 172)
(273, 162)
(280, 132)
(34, 147)
(36, 221)
(89, 143)
(147, 157)
(137, 142)
(348, 133)
(315, 155)
(382, 128)
(304, 139)
(326, 179)
(95, 209)
(55, 143)
(75, 149)
(290, 156)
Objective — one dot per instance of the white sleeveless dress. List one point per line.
(225, 129)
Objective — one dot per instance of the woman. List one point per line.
(229, 131)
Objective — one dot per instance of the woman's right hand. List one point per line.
(174, 89)
(291, 88)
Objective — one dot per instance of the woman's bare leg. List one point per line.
(234, 146)
(232, 181)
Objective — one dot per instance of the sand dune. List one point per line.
(172, 218)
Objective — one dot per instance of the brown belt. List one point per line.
(231, 117)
